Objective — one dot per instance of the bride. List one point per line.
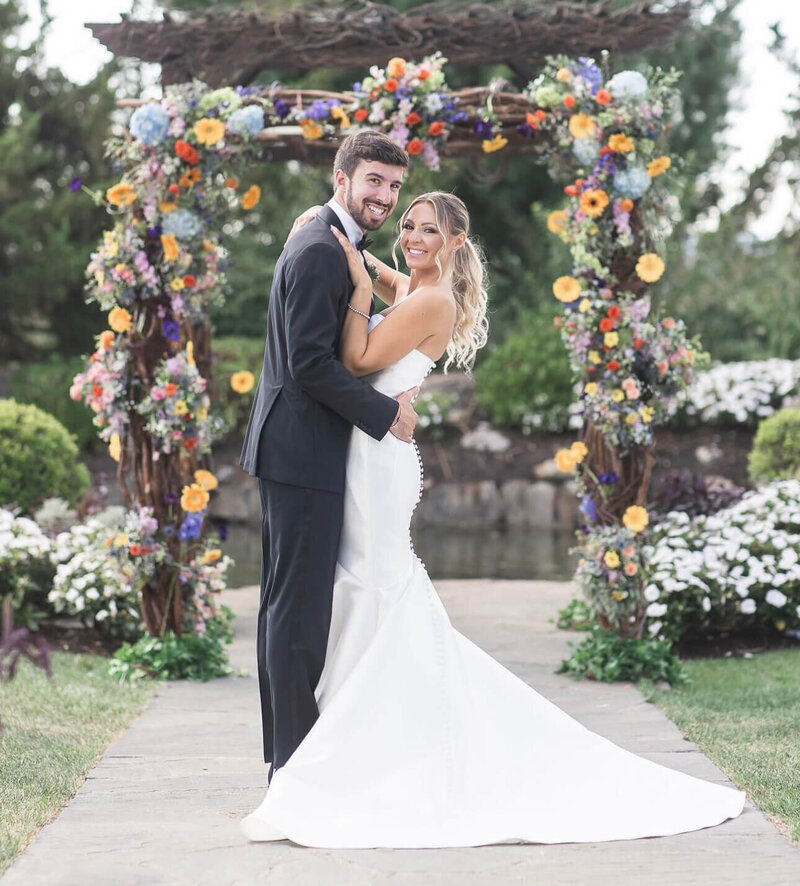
(423, 739)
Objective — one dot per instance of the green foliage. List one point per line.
(776, 448)
(577, 615)
(526, 379)
(46, 385)
(433, 409)
(188, 657)
(38, 458)
(604, 655)
(232, 354)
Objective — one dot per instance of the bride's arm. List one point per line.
(390, 284)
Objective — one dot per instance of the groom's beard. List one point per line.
(361, 215)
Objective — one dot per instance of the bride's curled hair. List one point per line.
(469, 278)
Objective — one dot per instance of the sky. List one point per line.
(760, 99)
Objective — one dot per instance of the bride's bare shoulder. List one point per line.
(431, 297)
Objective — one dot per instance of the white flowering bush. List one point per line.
(91, 584)
(741, 392)
(433, 409)
(25, 568)
(737, 570)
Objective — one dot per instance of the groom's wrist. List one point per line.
(396, 418)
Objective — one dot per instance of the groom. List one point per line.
(305, 406)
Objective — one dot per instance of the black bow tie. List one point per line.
(363, 243)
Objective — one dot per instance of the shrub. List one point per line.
(26, 572)
(192, 656)
(433, 409)
(526, 380)
(38, 458)
(47, 385)
(232, 354)
(693, 494)
(736, 571)
(776, 448)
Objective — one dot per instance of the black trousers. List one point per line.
(299, 544)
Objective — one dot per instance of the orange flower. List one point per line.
(566, 289)
(251, 196)
(119, 319)
(415, 146)
(242, 381)
(189, 280)
(635, 518)
(603, 97)
(209, 131)
(620, 143)
(311, 129)
(170, 247)
(121, 194)
(658, 166)
(170, 389)
(391, 84)
(186, 152)
(565, 460)
(361, 115)
(423, 74)
(185, 182)
(231, 183)
(194, 498)
(206, 479)
(194, 175)
(106, 339)
(413, 118)
(594, 201)
(135, 550)
(626, 205)
(396, 67)
(531, 120)
(436, 128)
(569, 101)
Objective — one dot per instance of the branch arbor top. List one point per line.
(232, 48)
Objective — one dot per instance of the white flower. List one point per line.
(706, 603)
(776, 598)
(656, 610)
(651, 593)
(748, 606)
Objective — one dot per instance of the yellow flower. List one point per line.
(119, 319)
(579, 450)
(180, 407)
(251, 196)
(647, 414)
(115, 447)
(590, 388)
(611, 339)
(120, 539)
(635, 518)
(494, 144)
(110, 245)
(206, 479)
(170, 246)
(100, 276)
(242, 381)
(566, 289)
(594, 357)
(311, 129)
(557, 221)
(209, 246)
(620, 143)
(563, 75)
(121, 194)
(658, 165)
(176, 284)
(619, 596)
(584, 305)
(396, 67)
(211, 556)
(194, 498)
(581, 125)
(650, 267)
(631, 418)
(338, 114)
(201, 413)
(611, 559)
(617, 395)
(209, 131)
(166, 206)
(190, 353)
(565, 460)
(594, 201)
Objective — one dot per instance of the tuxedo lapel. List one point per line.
(328, 217)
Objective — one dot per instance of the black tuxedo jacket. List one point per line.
(306, 401)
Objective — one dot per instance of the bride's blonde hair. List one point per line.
(469, 277)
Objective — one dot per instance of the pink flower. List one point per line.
(158, 394)
(75, 391)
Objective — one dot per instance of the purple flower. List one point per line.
(608, 478)
(190, 528)
(525, 130)
(318, 110)
(483, 128)
(170, 499)
(282, 108)
(222, 531)
(171, 330)
(154, 232)
(588, 70)
(75, 184)
(588, 508)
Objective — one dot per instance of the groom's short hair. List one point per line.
(368, 145)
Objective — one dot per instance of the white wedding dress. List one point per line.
(423, 739)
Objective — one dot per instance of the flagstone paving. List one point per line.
(163, 804)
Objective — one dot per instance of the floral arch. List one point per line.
(157, 272)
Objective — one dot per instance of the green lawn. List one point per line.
(53, 732)
(744, 714)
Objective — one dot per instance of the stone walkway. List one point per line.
(164, 803)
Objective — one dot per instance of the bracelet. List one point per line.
(356, 311)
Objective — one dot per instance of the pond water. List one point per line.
(447, 553)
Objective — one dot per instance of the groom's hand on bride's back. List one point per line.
(406, 421)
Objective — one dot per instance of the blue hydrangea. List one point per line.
(248, 120)
(182, 223)
(588, 70)
(190, 528)
(149, 124)
(632, 182)
(627, 84)
(318, 111)
(586, 151)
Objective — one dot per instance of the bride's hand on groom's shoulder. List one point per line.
(302, 220)
(355, 264)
